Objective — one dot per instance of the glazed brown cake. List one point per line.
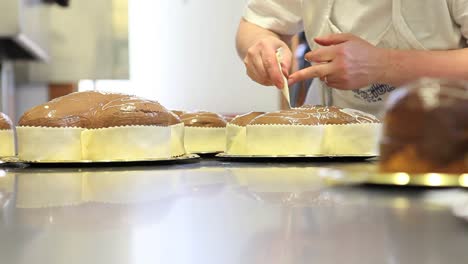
(314, 130)
(426, 129)
(98, 110)
(73, 110)
(205, 132)
(236, 133)
(203, 119)
(99, 126)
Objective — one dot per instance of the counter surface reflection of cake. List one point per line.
(7, 136)
(204, 132)
(99, 126)
(426, 128)
(313, 130)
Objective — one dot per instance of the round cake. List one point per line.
(205, 132)
(203, 119)
(99, 126)
(426, 128)
(7, 136)
(236, 133)
(314, 130)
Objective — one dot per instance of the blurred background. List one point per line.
(179, 52)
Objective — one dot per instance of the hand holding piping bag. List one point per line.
(285, 90)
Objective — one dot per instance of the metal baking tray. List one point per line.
(369, 173)
(295, 157)
(156, 161)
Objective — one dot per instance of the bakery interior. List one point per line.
(130, 133)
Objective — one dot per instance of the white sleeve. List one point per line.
(460, 15)
(281, 16)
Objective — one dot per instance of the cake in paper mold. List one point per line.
(313, 130)
(426, 128)
(236, 133)
(205, 132)
(7, 136)
(99, 126)
(348, 132)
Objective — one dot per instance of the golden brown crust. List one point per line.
(426, 130)
(407, 159)
(203, 119)
(5, 122)
(245, 119)
(97, 110)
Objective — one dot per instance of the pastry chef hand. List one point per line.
(261, 64)
(345, 62)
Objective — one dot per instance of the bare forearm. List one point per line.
(408, 65)
(248, 34)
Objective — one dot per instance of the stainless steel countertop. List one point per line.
(219, 212)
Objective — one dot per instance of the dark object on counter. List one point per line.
(64, 3)
(426, 128)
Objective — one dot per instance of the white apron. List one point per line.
(394, 33)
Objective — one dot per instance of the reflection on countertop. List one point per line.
(218, 212)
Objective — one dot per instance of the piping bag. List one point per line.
(285, 90)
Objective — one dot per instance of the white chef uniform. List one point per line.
(396, 24)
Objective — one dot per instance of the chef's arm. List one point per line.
(257, 48)
(406, 65)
